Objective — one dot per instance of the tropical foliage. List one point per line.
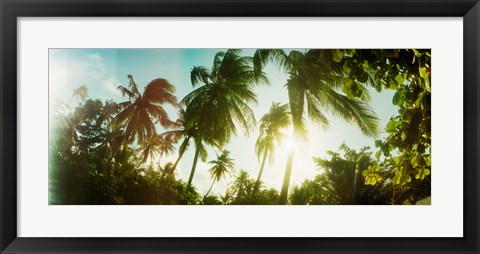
(107, 152)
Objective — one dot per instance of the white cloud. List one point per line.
(95, 57)
(111, 85)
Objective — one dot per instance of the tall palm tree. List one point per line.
(222, 166)
(107, 114)
(160, 145)
(188, 130)
(271, 125)
(140, 113)
(220, 107)
(81, 93)
(183, 129)
(313, 89)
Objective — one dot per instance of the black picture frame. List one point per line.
(10, 10)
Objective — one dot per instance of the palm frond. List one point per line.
(199, 74)
(354, 111)
(133, 86)
(131, 95)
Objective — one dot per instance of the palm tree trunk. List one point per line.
(257, 183)
(356, 181)
(206, 194)
(286, 177)
(296, 110)
(183, 147)
(192, 172)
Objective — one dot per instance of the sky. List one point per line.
(103, 70)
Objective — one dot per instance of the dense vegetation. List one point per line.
(101, 151)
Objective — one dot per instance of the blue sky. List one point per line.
(102, 70)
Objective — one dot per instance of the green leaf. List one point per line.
(391, 126)
(418, 175)
(397, 160)
(399, 78)
(426, 171)
(365, 173)
(347, 88)
(417, 54)
(377, 154)
(419, 99)
(423, 72)
(345, 67)
(414, 162)
(337, 55)
(367, 181)
(396, 98)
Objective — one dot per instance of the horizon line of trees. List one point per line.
(99, 151)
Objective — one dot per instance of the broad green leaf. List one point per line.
(414, 162)
(423, 72)
(400, 79)
(396, 98)
(367, 181)
(391, 126)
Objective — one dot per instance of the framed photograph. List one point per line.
(247, 127)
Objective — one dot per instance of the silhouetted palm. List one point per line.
(183, 129)
(156, 145)
(140, 113)
(108, 112)
(243, 186)
(220, 106)
(222, 166)
(81, 93)
(312, 91)
(271, 126)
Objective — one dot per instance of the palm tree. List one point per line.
(312, 91)
(109, 110)
(141, 110)
(156, 145)
(110, 137)
(81, 93)
(188, 130)
(243, 186)
(222, 166)
(220, 106)
(271, 125)
(183, 129)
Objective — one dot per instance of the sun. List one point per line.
(287, 143)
